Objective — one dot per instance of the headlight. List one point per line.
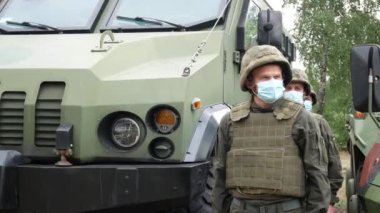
(163, 119)
(125, 132)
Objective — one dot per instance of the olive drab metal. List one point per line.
(118, 98)
(363, 126)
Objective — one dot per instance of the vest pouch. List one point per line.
(255, 168)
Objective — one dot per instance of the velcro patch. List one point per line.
(240, 111)
(285, 109)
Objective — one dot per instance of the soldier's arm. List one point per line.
(306, 135)
(220, 195)
(334, 164)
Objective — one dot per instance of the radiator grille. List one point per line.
(48, 112)
(12, 118)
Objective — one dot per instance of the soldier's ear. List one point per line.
(251, 87)
(249, 83)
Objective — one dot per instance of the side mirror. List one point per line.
(270, 28)
(364, 58)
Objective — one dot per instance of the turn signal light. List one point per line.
(196, 103)
(163, 119)
(166, 117)
(359, 115)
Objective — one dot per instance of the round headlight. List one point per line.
(125, 132)
(163, 119)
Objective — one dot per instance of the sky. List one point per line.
(289, 15)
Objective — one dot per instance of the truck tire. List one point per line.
(203, 202)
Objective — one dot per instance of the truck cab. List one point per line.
(110, 105)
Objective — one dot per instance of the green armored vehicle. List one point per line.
(363, 179)
(114, 105)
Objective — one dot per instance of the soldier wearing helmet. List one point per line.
(334, 163)
(268, 155)
(298, 88)
(310, 101)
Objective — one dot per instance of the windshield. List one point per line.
(78, 15)
(180, 12)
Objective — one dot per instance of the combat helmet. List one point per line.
(314, 99)
(258, 56)
(299, 76)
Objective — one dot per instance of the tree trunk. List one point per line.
(322, 80)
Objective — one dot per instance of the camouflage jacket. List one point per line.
(307, 137)
(334, 164)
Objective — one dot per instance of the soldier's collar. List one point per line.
(284, 109)
(255, 108)
(243, 109)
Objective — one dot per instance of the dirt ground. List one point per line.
(341, 206)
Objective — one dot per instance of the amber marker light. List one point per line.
(165, 117)
(196, 104)
(165, 120)
(359, 115)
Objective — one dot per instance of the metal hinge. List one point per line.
(236, 57)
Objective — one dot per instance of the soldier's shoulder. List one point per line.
(321, 121)
(240, 111)
(284, 109)
(317, 116)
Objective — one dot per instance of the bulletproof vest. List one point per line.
(264, 159)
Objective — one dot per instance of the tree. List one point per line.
(325, 32)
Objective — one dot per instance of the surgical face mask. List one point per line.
(270, 91)
(308, 105)
(294, 96)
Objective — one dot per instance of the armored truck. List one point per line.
(110, 105)
(363, 177)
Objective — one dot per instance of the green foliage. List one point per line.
(325, 32)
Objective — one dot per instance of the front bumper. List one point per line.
(99, 187)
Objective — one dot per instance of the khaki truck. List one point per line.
(363, 176)
(109, 105)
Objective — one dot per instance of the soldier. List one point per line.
(334, 163)
(302, 87)
(269, 157)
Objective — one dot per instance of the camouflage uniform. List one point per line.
(334, 163)
(302, 130)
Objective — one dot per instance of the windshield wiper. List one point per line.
(34, 25)
(151, 21)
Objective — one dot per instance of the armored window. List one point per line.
(251, 25)
(154, 15)
(46, 16)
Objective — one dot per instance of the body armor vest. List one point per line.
(264, 159)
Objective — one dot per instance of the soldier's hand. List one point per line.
(331, 209)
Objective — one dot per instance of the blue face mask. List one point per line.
(294, 96)
(270, 91)
(308, 105)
